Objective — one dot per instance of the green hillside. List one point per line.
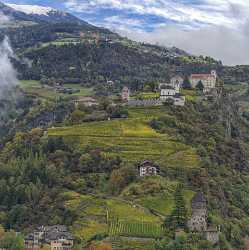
(76, 165)
(132, 139)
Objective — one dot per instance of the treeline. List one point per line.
(36, 170)
(34, 35)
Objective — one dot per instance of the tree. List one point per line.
(12, 242)
(200, 86)
(178, 217)
(186, 83)
(77, 116)
(120, 178)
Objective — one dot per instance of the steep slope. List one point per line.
(36, 14)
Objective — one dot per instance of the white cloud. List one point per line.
(217, 28)
(215, 12)
(3, 19)
(220, 42)
(8, 75)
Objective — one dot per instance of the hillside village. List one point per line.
(57, 236)
(133, 123)
(171, 92)
(112, 144)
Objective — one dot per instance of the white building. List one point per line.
(179, 100)
(148, 168)
(125, 94)
(167, 92)
(176, 82)
(208, 80)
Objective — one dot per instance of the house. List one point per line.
(148, 168)
(86, 101)
(125, 94)
(61, 241)
(169, 92)
(29, 242)
(176, 82)
(212, 235)
(110, 83)
(179, 100)
(56, 236)
(208, 80)
(198, 221)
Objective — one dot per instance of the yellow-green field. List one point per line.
(156, 193)
(92, 213)
(190, 94)
(132, 139)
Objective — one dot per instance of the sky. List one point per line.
(217, 28)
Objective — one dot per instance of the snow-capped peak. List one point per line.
(32, 9)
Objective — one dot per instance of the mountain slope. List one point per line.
(36, 14)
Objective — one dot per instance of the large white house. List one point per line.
(208, 80)
(168, 92)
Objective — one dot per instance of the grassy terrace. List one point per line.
(34, 88)
(132, 139)
(92, 213)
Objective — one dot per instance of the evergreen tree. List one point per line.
(178, 217)
(186, 83)
(200, 86)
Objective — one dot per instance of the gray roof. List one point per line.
(55, 229)
(29, 237)
(166, 87)
(177, 77)
(199, 198)
(148, 162)
(178, 95)
(60, 235)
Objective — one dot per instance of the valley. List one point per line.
(108, 143)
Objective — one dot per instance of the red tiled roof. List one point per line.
(201, 75)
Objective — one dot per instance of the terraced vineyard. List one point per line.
(135, 229)
(134, 244)
(132, 139)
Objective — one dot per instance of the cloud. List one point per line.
(8, 75)
(221, 12)
(217, 28)
(211, 27)
(220, 42)
(3, 19)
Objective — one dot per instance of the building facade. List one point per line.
(125, 94)
(198, 221)
(212, 235)
(167, 92)
(61, 241)
(56, 236)
(148, 168)
(176, 82)
(208, 80)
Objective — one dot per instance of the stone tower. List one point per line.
(198, 221)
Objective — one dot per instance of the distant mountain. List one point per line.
(36, 14)
(37, 32)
